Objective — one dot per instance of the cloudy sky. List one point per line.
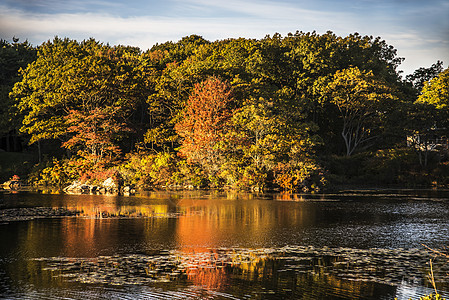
(419, 29)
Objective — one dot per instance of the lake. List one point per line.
(211, 245)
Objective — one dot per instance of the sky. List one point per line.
(418, 29)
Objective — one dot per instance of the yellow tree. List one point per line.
(362, 101)
(428, 118)
(436, 91)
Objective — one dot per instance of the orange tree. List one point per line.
(204, 123)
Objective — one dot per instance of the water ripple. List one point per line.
(213, 270)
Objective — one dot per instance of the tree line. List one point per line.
(298, 112)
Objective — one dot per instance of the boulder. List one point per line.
(128, 190)
(12, 185)
(110, 186)
(74, 188)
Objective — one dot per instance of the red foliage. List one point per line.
(94, 132)
(206, 119)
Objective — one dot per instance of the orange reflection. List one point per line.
(80, 235)
(205, 269)
(287, 196)
(75, 231)
(196, 236)
(199, 224)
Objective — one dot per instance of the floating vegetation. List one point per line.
(30, 213)
(214, 268)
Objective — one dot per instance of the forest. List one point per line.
(303, 112)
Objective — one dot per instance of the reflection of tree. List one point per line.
(83, 235)
(110, 210)
(195, 235)
(35, 239)
(202, 223)
(206, 270)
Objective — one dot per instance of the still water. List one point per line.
(209, 245)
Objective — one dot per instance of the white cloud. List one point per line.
(247, 18)
(148, 30)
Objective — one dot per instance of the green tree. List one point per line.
(13, 57)
(423, 75)
(436, 91)
(266, 147)
(313, 59)
(428, 117)
(361, 99)
(78, 79)
(421, 127)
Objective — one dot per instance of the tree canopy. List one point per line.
(13, 57)
(70, 83)
(238, 112)
(436, 91)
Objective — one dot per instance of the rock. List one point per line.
(73, 188)
(110, 186)
(109, 183)
(76, 187)
(128, 190)
(13, 184)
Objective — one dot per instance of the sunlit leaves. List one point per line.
(361, 100)
(94, 132)
(76, 82)
(205, 122)
(436, 92)
(289, 94)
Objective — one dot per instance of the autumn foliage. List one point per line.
(94, 133)
(278, 112)
(205, 122)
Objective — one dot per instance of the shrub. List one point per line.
(252, 178)
(150, 170)
(304, 176)
(189, 174)
(53, 173)
(62, 172)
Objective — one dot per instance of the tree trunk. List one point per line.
(15, 142)
(8, 145)
(39, 151)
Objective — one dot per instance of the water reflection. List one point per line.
(288, 246)
(290, 272)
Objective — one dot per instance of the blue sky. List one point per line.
(418, 29)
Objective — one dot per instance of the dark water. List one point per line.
(197, 245)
